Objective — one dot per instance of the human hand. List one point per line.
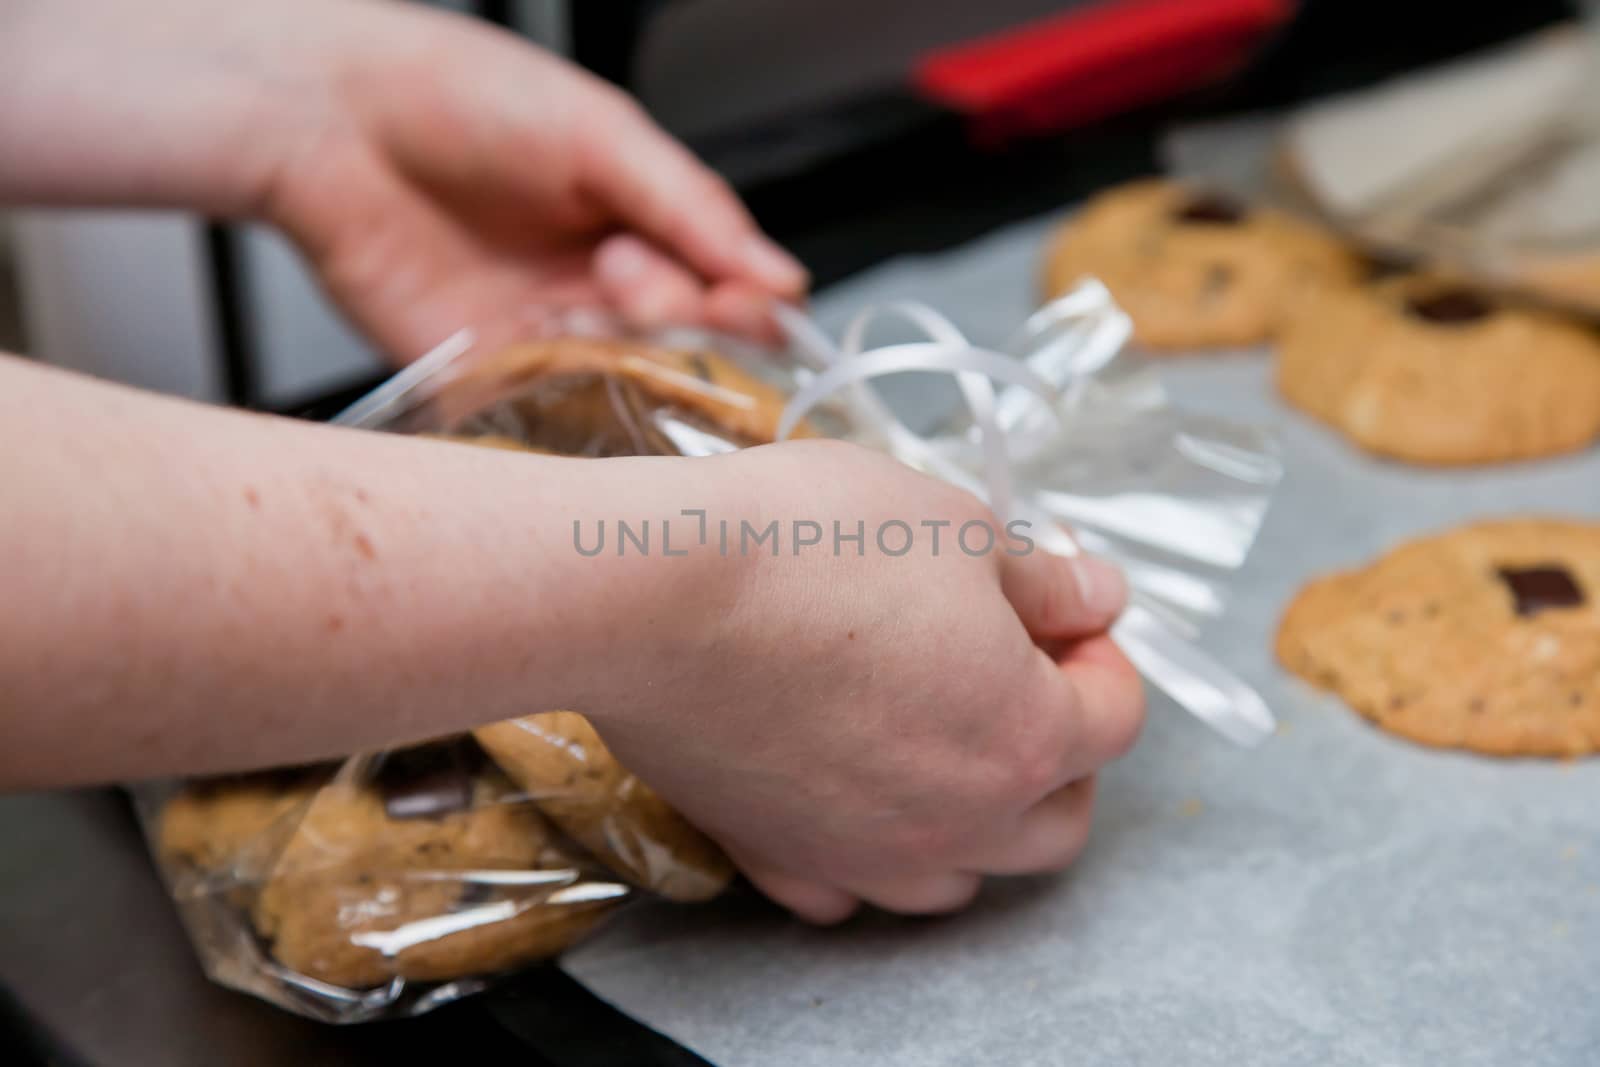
(436, 172)
(464, 177)
(881, 729)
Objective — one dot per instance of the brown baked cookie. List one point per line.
(1424, 369)
(432, 872)
(1486, 638)
(560, 762)
(226, 831)
(586, 397)
(1572, 280)
(1194, 270)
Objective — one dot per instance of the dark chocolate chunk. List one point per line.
(1538, 589)
(702, 369)
(1211, 210)
(474, 893)
(428, 781)
(429, 797)
(1450, 307)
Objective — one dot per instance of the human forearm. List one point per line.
(168, 103)
(435, 172)
(192, 589)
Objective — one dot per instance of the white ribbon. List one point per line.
(1055, 354)
(949, 352)
(1047, 370)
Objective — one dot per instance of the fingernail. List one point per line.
(1102, 588)
(773, 267)
(621, 262)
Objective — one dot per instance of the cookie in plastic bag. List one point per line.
(559, 759)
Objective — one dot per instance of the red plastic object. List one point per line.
(1095, 62)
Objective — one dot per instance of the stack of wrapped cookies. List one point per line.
(393, 881)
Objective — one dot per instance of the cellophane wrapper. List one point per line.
(393, 882)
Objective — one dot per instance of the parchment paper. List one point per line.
(1337, 897)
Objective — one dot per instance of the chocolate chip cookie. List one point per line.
(1193, 269)
(361, 897)
(588, 397)
(225, 832)
(1428, 370)
(1485, 638)
(562, 764)
(430, 868)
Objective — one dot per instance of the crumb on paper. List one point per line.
(1190, 808)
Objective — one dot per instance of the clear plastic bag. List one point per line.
(1083, 449)
(397, 881)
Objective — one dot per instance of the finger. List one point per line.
(743, 311)
(1050, 835)
(812, 901)
(1060, 596)
(646, 288)
(1109, 701)
(932, 894)
(1099, 649)
(657, 185)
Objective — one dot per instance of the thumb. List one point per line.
(1059, 596)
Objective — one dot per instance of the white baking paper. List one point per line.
(1336, 897)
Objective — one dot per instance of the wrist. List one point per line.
(651, 559)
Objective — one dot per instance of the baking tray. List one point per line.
(1338, 896)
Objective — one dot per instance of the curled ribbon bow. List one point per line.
(1050, 374)
(1051, 363)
